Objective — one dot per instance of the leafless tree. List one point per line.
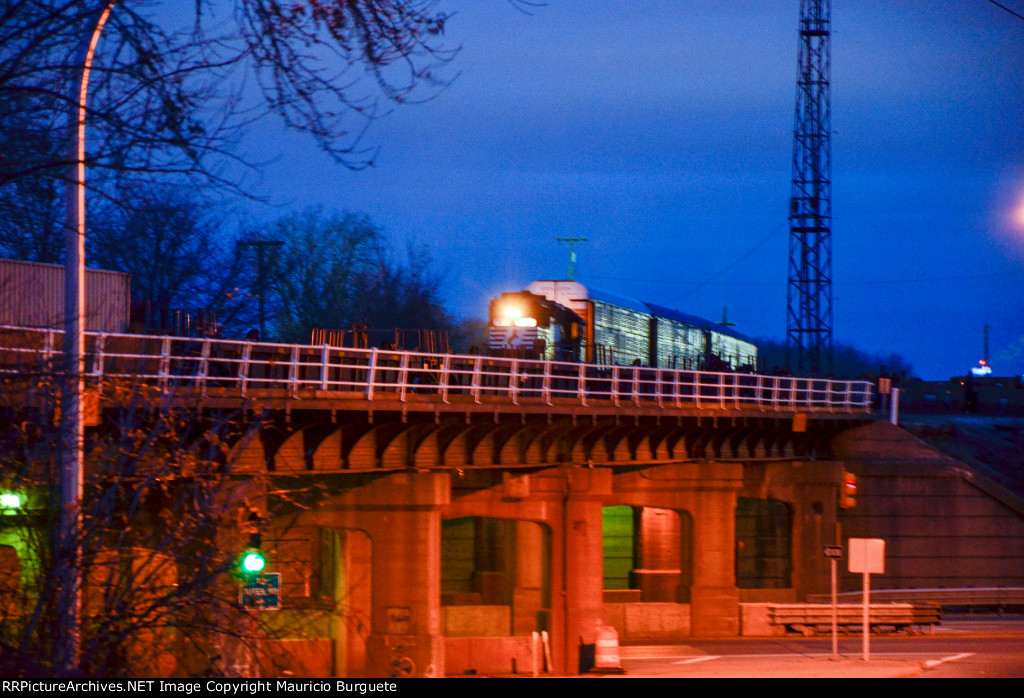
(175, 86)
(166, 515)
(335, 270)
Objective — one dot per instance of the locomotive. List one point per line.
(566, 321)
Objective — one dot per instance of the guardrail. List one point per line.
(388, 374)
(810, 618)
(978, 597)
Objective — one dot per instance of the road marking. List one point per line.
(931, 663)
(694, 660)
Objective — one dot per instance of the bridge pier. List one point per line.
(582, 563)
(524, 552)
(400, 515)
(707, 493)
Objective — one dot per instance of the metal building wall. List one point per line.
(32, 295)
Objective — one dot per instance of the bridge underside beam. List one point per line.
(340, 441)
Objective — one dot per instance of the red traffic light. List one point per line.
(848, 490)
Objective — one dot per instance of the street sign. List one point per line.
(867, 555)
(833, 552)
(262, 592)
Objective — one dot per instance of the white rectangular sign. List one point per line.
(867, 555)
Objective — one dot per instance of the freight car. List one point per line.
(566, 321)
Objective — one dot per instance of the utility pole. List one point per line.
(572, 254)
(261, 247)
(809, 316)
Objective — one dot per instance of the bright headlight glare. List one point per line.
(526, 322)
(512, 312)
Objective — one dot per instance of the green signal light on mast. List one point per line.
(9, 500)
(253, 562)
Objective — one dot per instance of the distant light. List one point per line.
(10, 501)
(1018, 213)
(982, 369)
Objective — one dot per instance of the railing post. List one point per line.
(97, 368)
(48, 344)
(615, 385)
(163, 373)
(325, 355)
(203, 371)
(243, 368)
(546, 383)
(371, 374)
(581, 386)
(513, 382)
(293, 371)
(403, 375)
(446, 367)
(475, 381)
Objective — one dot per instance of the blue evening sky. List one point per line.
(662, 132)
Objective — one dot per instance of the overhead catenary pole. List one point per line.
(572, 254)
(72, 432)
(261, 275)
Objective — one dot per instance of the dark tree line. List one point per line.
(326, 269)
(336, 271)
(847, 361)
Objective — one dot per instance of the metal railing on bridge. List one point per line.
(382, 374)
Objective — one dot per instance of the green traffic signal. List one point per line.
(253, 562)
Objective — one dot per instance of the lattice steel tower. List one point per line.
(809, 318)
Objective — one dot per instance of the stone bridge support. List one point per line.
(707, 492)
(400, 515)
(567, 503)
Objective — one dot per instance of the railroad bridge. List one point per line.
(472, 501)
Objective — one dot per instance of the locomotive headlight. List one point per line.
(502, 322)
(512, 312)
(525, 322)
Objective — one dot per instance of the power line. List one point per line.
(1007, 9)
(871, 282)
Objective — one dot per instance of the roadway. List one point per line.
(963, 647)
